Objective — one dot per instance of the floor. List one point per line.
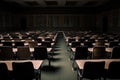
(61, 67)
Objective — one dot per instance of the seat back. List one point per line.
(49, 39)
(81, 52)
(100, 43)
(7, 43)
(19, 44)
(114, 70)
(88, 44)
(46, 44)
(113, 43)
(99, 53)
(32, 44)
(115, 53)
(75, 44)
(4, 73)
(23, 71)
(23, 53)
(40, 52)
(93, 70)
(70, 40)
(6, 53)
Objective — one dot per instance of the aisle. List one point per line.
(61, 65)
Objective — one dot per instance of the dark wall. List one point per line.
(16, 18)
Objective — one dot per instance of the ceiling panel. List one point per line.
(58, 3)
(71, 3)
(32, 3)
(51, 3)
(91, 3)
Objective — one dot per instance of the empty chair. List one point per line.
(6, 37)
(71, 39)
(39, 40)
(40, 53)
(81, 40)
(23, 53)
(113, 71)
(113, 43)
(100, 43)
(81, 52)
(7, 43)
(4, 73)
(75, 44)
(92, 70)
(49, 39)
(28, 40)
(88, 44)
(23, 71)
(110, 39)
(91, 40)
(99, 53)
(18, 44)
(46, 44)
(6, 53)
(33, 44)
(115, 53)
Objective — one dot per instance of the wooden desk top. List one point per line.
(81, 63)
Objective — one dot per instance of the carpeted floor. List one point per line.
(61, 68)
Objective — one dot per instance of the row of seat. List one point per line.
(30, 44)
(111, 44)
(23, 53)
(82, 52)
(96, 70)
(21, 71)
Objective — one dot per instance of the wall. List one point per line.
(113, 20)
(60, 21)
(12, 22)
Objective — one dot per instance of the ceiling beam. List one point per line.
(61, 3)
(42, 3)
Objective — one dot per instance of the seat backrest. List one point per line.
(7, 43)
(81, 40)
(6, 53)
(40, 52)
(46, 44)
(23, 53)
(23, 71)
(49, 39)
(114, 70)
(81, 52)
(99, 53)
(113, 43)
(19, 44)
(93, 70)
(88, 44)
(75, 44)
(32, 44)
(91, 40)
(71, 39)
(4, 73)
(116, 53)
(100, 43)
(39, 40)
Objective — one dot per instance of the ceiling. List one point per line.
(53, 3)
(58, 6)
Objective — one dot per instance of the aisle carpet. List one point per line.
(61, 68)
